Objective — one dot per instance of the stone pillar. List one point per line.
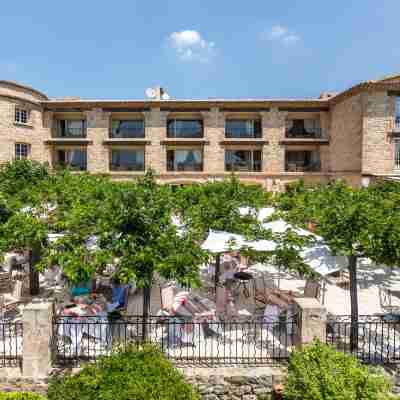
(98, 125)
(214, 131)
(273, 123)
(36, 349)
(156, 131)
(311, 323)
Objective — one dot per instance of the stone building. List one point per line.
(354, 135)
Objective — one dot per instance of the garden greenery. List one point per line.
(137, 373)
(319, 372)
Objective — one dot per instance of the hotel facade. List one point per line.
(353, 135)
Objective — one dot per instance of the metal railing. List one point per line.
(315, 133)
(377, 340)
(11, 335)
(183, 341)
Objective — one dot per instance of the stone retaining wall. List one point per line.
(234, 383)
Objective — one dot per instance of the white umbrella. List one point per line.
(222, 242)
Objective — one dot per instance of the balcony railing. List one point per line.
(182, 166)
(397, 123)
(70, 129)
(304, 129)
(303, 167)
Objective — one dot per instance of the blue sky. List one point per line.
(198, 48)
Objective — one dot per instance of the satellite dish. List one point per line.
(151, 93)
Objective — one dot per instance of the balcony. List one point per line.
(302, 161)
(185, 160)
(243, 129)
(185, 129)
(304, 130)
(127, 160)
(70, 129)
(127, 129)
(74, 159)
(243, 160)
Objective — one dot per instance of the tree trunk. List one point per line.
(146, 310)
(354, 303)
(34, 258)
(217, 271)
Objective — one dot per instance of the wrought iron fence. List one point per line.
(377, 339)
(183, 341)
(11, 334)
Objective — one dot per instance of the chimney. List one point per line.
(327, 95)
(159, 93)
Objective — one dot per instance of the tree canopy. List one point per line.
(353, 222)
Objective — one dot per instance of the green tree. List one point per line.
(133, 224)
(353, 222)
(21, 209)
(321, 372)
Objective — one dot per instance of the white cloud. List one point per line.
(291, 39)
(278, 31)
(281, 34)
(190, 46)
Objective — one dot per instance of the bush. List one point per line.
(320, 372)
(140, 374)
(21, 396)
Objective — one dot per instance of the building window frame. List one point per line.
(22, 151)
(299, 128)
(175, 131)
(138, 133)
(252, 128)
(21, 115)
(254, 164)
(173, 165)
(115, 168)
(397, 154)
(64, 131)
(397, 114)
(307, 161)
(69, 164)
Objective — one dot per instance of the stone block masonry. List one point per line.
(244, 383)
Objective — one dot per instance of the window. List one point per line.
(21, 115)
(71, 128)
(72, 158)
(243, 160)
(184, 128)
(303, 128)
(127, 129)
(397, 117)
(127, 160)
(397, 154)
(21, 151)
(185, 160)
(302, 160)
(243, 128)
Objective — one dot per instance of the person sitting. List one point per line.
(119, 296)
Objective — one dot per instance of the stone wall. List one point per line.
(234, 383)
(378, 145)
(346, 136)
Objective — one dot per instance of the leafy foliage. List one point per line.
(135, 374)
(18, 178)
(320, 372)
(21, 396)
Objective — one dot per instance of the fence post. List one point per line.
(311, 323)
(36, 349)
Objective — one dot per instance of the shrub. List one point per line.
(320, 372)
(21, 396)
(140, 374)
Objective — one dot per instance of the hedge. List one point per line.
(136, 373)
(20, 396)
